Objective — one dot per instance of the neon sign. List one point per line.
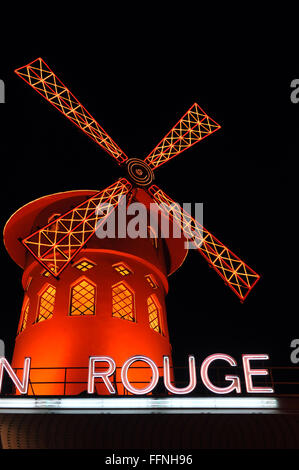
(234, 383)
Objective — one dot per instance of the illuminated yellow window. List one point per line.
(83, 296)
(46, 273)
(151, 280)
(46, 304)
(122, 269)
(154, 313)
(24, 316)
(123, 302)
(84, 265)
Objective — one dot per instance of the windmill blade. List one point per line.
(236, 274)
(42, 79)
(56, 244)
(193, 127)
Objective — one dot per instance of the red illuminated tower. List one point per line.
(109, 301)
(87, 296)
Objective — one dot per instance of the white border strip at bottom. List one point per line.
(139, 405)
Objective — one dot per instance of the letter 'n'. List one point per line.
(21, 386)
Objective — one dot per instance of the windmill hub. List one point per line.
(139, 172)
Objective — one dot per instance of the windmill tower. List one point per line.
(86, 296)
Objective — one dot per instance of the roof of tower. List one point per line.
(20, 225)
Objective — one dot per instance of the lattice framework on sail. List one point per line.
(43, 80)
(55, 247)
(194, 126)
(237, 275)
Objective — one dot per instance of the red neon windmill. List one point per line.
(55, 249)
(71, 226)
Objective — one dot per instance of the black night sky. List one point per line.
(244, 174)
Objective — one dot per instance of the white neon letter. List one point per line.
(124, 375)
(192, 375)
(92, 374)
(235, 381)
(21, 386)
(249, 372)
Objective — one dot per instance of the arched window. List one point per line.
(123, 304)
(24, 316)
(46, 303)
(83, 296)
(154, 314)
(152, 236)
